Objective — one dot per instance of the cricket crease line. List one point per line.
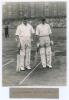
(6, 60)
(12, 60)
(21, 82)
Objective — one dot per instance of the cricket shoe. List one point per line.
(28, 67)
(44, 66)
(22, 68)
(49, 66)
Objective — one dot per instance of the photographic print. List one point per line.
(34, 44)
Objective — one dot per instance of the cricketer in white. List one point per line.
(43, 31)
(23, 37)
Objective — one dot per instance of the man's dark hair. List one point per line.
(43, 19)
(25, 17)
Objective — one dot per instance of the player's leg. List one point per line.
(48, 52)
(28, 55)
(22, 60)
(42, 52)
(22, 54)
(43, 57)
(49, 56)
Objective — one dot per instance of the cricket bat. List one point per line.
(18, 57)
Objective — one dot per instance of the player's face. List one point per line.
(25, 21)
(43, 21)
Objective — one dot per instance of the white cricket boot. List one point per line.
(28, 67)
(22, 68)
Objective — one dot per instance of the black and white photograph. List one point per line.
(34, 44)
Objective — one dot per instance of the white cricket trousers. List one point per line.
(23, 59)
(45, 52)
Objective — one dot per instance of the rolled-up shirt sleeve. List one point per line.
(37, 30)
(49, 30)
(17, 31)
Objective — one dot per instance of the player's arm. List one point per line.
(37, 38)
(37, 33)
(17, 38)
(17, 34)
(32, 33)
(50, 35)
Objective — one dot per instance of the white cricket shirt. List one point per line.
(24, 30)
(43, 30)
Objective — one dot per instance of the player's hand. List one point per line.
(51, 42)
(38, 45)
(19, 45)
